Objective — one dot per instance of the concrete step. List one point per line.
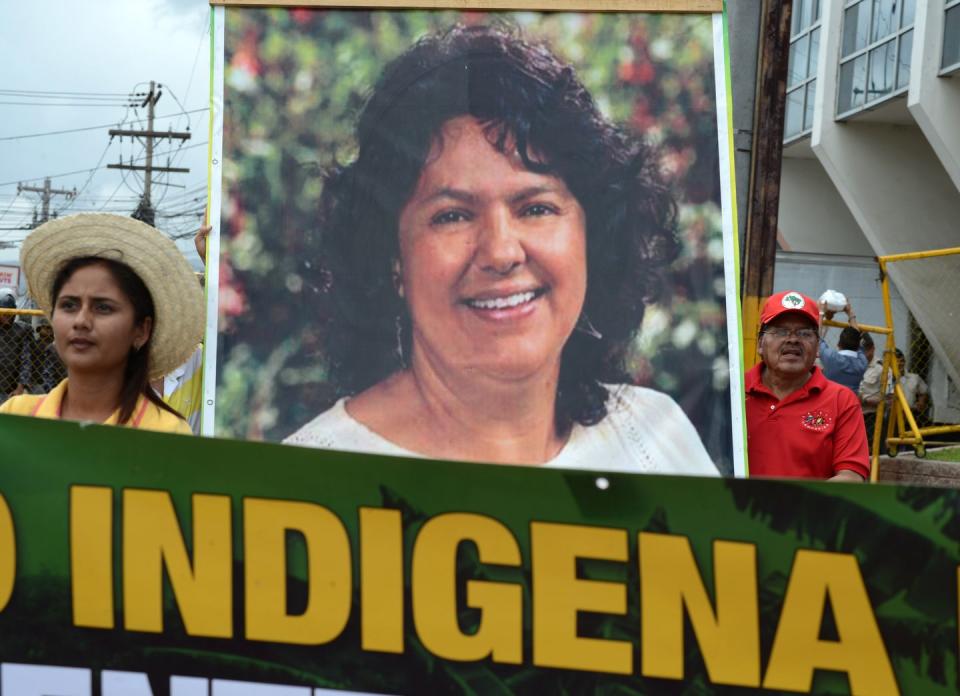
(910, 469)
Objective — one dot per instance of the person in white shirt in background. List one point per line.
(914, 389)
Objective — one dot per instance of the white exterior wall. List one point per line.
(894, 167)
(935, 101)
(813, 217)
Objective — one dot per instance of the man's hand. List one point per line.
(851, 317)
(847, 476)
(19, 390)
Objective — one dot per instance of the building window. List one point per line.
(951, 37)
(875, 50)
(802, 68)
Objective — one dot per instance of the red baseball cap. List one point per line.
(790, 301)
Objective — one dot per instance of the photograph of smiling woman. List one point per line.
(486, 260)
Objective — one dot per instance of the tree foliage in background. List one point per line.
(296, 81)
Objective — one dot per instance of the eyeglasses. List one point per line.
(802, 334)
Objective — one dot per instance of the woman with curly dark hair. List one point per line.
(487, 257)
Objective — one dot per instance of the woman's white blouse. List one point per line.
(645, 431)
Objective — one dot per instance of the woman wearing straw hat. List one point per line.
(125, 308)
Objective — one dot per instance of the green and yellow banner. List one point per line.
(141, 564)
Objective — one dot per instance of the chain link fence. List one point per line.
(28, 360)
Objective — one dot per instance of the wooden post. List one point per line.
(760, 245)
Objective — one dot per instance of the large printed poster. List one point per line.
(485, 236)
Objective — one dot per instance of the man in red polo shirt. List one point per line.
(798, 422)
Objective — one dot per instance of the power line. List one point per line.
(203, 35)
(44, 91)
(89, 178)
(85, 171)
(12, 201)
(123, 179)
(62, 97)
(105, 125)
(112, 105)
(178, 150)
(50, 176)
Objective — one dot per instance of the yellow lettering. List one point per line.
(8, 553)
(797, 648)
(91, 555)
(558, 596)
(266, 523)
(381, 580)
(434, 580)
(669, 581)
(152, 541)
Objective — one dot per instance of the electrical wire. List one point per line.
(89, 178)
(110, 198)
(77, 171)
(3, 103)
(49, 92)
(12, 201)
(106, 125)
(204, 29)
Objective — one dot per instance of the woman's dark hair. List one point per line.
(136, 376)
(528, 101)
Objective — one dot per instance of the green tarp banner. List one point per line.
(135, 563)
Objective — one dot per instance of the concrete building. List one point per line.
(872, 167)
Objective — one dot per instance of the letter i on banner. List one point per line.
(91, 555)
(381, 580)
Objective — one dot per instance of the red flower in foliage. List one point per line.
(246, 57)
(639, 72)
(644, 73)
(474, 18)
(232, 298)
(301, 15)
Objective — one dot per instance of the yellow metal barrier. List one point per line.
(904, 426)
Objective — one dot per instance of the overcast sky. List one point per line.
(91, 49)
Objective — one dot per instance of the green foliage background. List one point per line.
(295, 82)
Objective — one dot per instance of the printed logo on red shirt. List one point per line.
(817, 421)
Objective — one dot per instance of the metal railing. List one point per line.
(905, 375)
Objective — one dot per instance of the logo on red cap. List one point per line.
(789, 301)
(793, 300)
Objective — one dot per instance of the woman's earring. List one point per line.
(397, 278)
(584, 326)
(399, 324)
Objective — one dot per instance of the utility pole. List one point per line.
(760, 244)
(46, 193)
(145, 210)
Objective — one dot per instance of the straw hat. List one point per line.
(177, 296)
